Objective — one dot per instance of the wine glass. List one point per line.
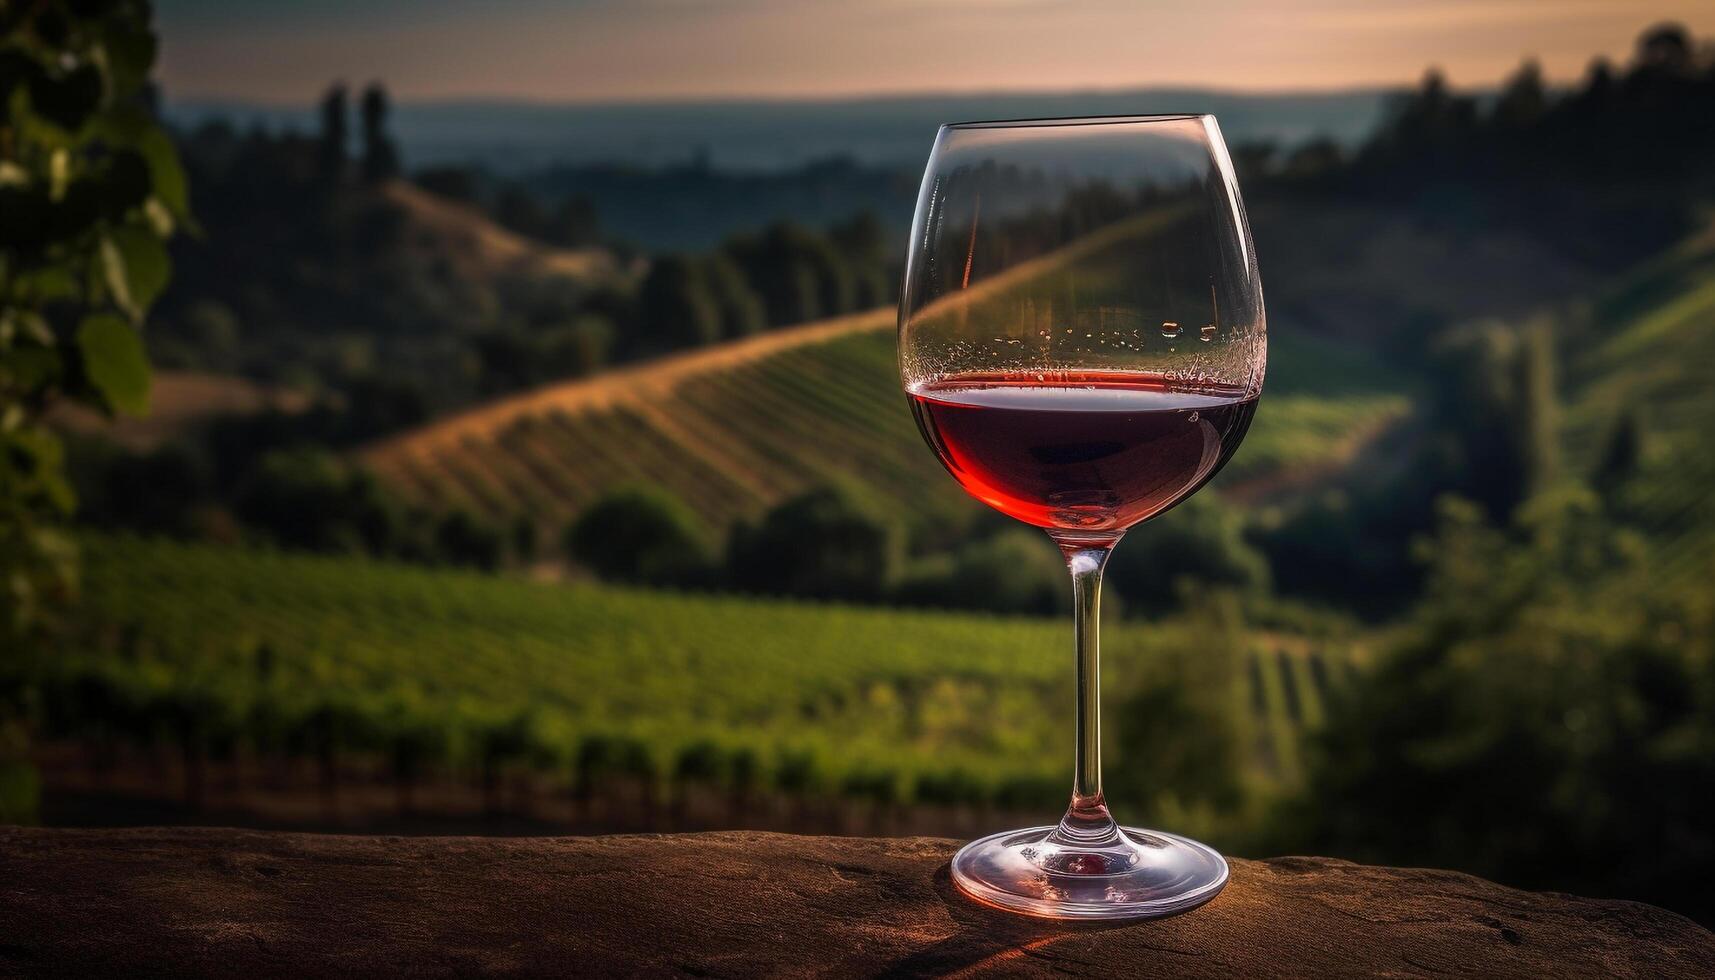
(1082, 340)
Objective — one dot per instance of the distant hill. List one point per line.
(738, 426)
(473, 245)
(315, 279)
(511, 137)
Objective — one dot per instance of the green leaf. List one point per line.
(169, 175)
(29, 367)
(128, 51)
(44, 284)
(114, 362)
(136, 267)
(37, 459)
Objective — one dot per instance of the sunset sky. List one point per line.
(649, 49)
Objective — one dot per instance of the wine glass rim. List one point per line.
(1105, 120)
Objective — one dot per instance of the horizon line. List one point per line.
(690, 99)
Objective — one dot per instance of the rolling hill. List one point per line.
(1651, 357)
(736, 427)
(473, 246)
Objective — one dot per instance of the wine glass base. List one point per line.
(1143, 874)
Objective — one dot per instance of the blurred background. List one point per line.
(446, 418)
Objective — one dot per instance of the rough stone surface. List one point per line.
(241, 903)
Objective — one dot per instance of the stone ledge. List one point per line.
(207, 902)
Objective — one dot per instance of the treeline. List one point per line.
(1604, 170)
(308, 273)
(1545, 715)
(254, 479)
(781, 276)
(1542, 711)
(279, 489)
(1488, 431)
(832, 543)
(691, 206)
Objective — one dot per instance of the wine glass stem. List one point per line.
(1087, 822)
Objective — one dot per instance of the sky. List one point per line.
(600, 50)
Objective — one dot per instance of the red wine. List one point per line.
(1096, 451)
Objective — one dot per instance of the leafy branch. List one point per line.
(91, 189)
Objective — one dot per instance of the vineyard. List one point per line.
(735, 428)
(1651, 363)
(217, 651)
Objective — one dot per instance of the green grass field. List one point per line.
(309, 654)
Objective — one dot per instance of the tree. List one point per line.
(1598, 89)
(1255, 159)
(1665, 48)
(861, 239)
(798, 273)
(1523, 98)
(829, 543)
(676, 305)
(1317, 156)
(1499, 413)
(464, 540)
(380, 155)
(863, 242)
(642, 535)
(741, 309)
(1545, 717)
(1017, 571)
(1622, 452)
(1431, 115)
(574, 349)
(1182, 733)
(308, 498)
(518, 209)
(574, 223)
(334, 137)
(90, 188)
(178, 483)
(1200, 543)
(1537, 413)
(452, 183)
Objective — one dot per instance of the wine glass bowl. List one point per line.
(1082, 341)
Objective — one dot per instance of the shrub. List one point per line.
(601, 757)
(827, 544)
(951, 786)
(640, 534)
(462, 539)
(1546, 718)
(878, 785)
(308, 498)
(677, 305)
(1201, 541)
(1016, 571)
